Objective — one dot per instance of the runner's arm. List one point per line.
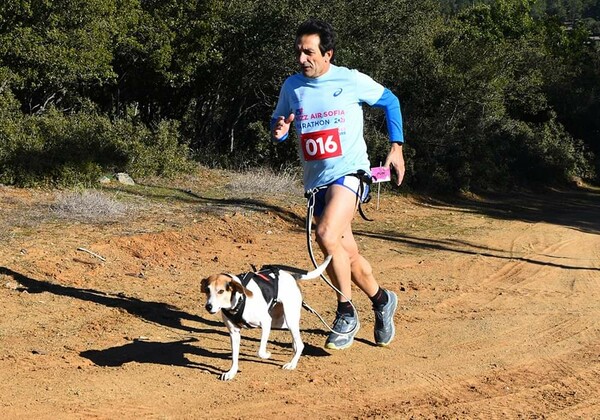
(395, 158)
(393, 116)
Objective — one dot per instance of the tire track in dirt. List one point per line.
(543, 269)
(566, 389)
(524, 321)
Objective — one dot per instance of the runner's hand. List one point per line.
(395, 160)
(282, 126)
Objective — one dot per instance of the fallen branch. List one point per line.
(100, 257)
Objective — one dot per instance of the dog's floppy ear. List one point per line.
(204, 285)
(237, 287)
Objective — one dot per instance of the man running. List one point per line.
(324, 102)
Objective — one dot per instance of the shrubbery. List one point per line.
(55, 149)
(493, 93)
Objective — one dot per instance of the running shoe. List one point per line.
(344, 329)
(384, 320)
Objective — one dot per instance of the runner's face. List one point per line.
(312, 63)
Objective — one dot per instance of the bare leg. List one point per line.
(334, 236)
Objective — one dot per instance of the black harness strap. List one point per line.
(365, 179)
(267, 280)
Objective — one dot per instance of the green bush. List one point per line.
(153, 152)
(68, 150)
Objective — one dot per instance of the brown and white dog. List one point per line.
(269, 298)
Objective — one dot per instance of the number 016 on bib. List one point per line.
(322, 144)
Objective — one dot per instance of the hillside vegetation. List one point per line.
(494, 94)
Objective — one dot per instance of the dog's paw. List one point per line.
(289, 366)
(264, 354)
(228, 376)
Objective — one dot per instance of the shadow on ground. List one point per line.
(210, 204)
(155, 312)
(575, 208)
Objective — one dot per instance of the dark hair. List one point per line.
(321, 28)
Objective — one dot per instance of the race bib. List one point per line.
(320, 145)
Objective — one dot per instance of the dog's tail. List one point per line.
(317, 271)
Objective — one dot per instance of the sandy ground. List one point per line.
(499, 310)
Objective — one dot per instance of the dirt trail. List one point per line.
(498, 315)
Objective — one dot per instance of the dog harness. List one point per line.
(267, 279)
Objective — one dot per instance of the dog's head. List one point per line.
(220, 290)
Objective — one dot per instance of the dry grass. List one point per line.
(212, 189)
(88, 206)
(264, 181)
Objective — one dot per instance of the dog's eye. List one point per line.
(220, 292)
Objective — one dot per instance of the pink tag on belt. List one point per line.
(380, 174)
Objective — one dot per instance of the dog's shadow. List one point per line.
(177, 353)
(161, 353)
(169, 354)
(144, 351)
(310, 350)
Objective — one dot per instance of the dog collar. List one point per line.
(235, 314)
